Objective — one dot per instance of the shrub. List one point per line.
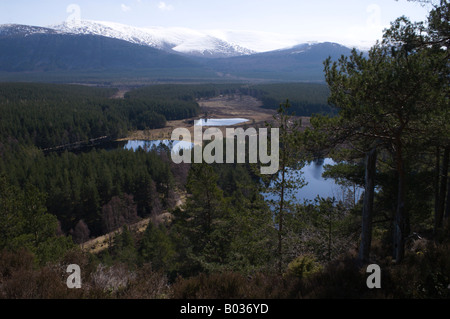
(303, 266)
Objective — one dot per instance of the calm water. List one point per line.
(319, 186)
(316, 184)
(220, 122)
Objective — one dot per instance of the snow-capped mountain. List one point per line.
(19, 29)
(160, 53)
(181, 40)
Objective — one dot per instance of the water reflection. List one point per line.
(176, 146)
(315, 168)
(318, 185)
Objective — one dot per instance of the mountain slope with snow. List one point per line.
(181, 40)
(38, 51)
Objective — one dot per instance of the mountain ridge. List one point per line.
(168, 56)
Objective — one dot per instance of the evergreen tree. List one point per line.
(157, 248)
(124, 249)
(25, 223)
(385, 101)
(203, 221)
(288, 177)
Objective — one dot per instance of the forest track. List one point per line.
(101, 243)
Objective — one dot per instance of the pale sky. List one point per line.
(344, 21)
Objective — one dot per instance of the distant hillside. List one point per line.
(300, 63)
(43, 52)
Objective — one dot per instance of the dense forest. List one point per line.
(306, 99)
(212, 231)
(47, 115)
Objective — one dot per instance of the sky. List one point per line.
(354, 22)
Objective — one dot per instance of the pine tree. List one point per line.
(203, 222)
(288, 177)
(387, 101)
(156, 247)
(124, 248)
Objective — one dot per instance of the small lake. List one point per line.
(317, 185)
(220, 122)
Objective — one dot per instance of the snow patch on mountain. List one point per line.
(182, 40)
(24, 30)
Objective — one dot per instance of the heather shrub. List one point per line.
(303, 266)
(147, 284)
(214, 286)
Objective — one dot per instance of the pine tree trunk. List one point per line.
(437, 170)
(280, 219)
(400, 216)
(447, 209)
(329, 235)
(442, 190)
(367, 214)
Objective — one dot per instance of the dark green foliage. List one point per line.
(324, 228)
(124, 248)
(52, 115)
(395, 100)
(346, 173)
(203, 223)
(26, 224)
(181, 92)
(223, 227)
(79, 185)
(150, 120)
(305, 99)
(157, 248)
